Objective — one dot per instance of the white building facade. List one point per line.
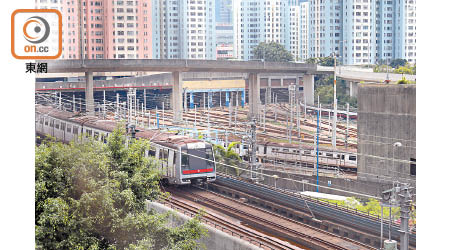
(184, 29)
(363, 31)
(277, 21)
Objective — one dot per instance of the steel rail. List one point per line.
(238, 213)
(234, 229)
(349, 218)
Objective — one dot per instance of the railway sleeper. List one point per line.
(302, 217)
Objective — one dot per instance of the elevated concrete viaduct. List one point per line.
(178, 66)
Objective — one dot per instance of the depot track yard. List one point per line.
(274, 129)
(230, 196)
(264, 221)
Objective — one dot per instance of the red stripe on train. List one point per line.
(196, 171)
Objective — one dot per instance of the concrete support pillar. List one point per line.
(269, 91)
(350, 86)
(253, 94)
(89, 93)
(353, 88)
(281, 81)
(308, 89)
(177, 95)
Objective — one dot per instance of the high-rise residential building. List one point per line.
(363, 31)
(224, 40)
(325, 29)
(258, 21)
(110, 29)
(405, 29)
(304, 31)
(359, 36)
(293, 36)
(48, 4)
(224, 29)
(385, 30)
(184, 29)
(223, 11)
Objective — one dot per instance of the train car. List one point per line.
(182, 160)
(285, 152)
(291, 153)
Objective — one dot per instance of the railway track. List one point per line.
(272, 223)
(218, 118)
(234, 229)
(342, 216)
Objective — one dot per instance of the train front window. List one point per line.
(193, 160)
(184, 160)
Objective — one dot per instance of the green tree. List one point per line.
(92, 196)
(398, 62)
(325, 89)
(327, 61)
(272, 52)
(228, 157)
(404, 70)
(311, 60)
(323, 61)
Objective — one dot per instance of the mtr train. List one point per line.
(182, 160)
(281, 153)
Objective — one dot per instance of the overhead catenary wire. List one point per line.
(243, 169)
(49, 97)
(304, 143)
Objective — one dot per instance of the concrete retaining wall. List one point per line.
(358, 186)
(215, 240)
(386, 115)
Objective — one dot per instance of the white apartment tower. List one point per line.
(277, 21)
(293, 37)
(304, 31)
(363, 31)
(405, 29)
(325, 31)
(184, 29)
(359, 32)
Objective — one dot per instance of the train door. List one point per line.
(63, 130)
(52, 127)
(58, 133)
(164, 155)
(75, 132)
(170, 163)
(40, 126)
(68, 133)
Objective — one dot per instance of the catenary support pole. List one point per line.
(334, 106)
(346, 131)
(74, 107)
(117, 105)
(145, 99)
(317, 152)
(104, 102)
